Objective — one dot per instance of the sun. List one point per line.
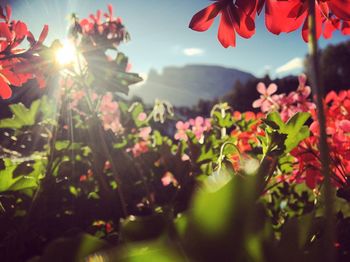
(67, 54)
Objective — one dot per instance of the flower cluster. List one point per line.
(338, 131)
(196, 126)
(107, 108)
(287, 105)
(245, 135)
(15, 62)
(110, 114)
(307, 156)
(280, 16)
(247, 130)
(100, 32)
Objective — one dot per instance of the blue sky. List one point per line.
(161, 37)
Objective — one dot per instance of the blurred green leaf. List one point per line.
(142, 228)
(21, 182)
(22, 116)
(72, 249)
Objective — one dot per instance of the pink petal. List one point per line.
(271, 89)
(261, 88)
(257, 103)
(302, 79)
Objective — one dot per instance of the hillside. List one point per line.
(186, 85)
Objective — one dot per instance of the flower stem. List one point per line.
(323, 146)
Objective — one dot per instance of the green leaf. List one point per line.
(23, 182)
(10, 183)
(225, 121)
(136, 110)
(22, 116)
(72, 249)
(142, 228)
(67, 145)
(275, 118)
(158, 139)
(294, 128)
(155, 251)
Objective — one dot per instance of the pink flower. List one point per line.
(142, 116)
(139, 148)
(181, 130)
(199, 126)
(110, 114)
(145, 132)
(168, 179)
(265, 101)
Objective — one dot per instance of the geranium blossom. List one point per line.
(182, 128)
(16, 63)
(199, 126)
(337, 107)
(236, 16)
(287, 16)
(281, 16)
(287, 105)
(110, 31)
(110, 114)
(266, 101)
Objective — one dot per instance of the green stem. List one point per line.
(102, 145)
(265, 172)
(323, 146)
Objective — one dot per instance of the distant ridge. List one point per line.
(185, 86)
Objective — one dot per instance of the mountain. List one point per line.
(184, 86)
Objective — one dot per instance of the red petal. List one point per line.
(331, 96)
(8, 12)
(11, 77)
(305, 31)
(324, 8)
(247, 6)
(260, 6)
(204, 18)
(226, 34)
(98, 15)
(21, 30)
(43, 34)
(5, 90)
(330, 26)
(341, 8)
(345, 125)
(5, 31)
(30, 38)
(41, 80)
(345, 29)
(284, 16)
(2, 15)
(246, 26)
(110, 10)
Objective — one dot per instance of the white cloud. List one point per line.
(294, 64)
(193, 51)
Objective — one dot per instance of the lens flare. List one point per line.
(66, 54)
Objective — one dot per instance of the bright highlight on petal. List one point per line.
(66, 54)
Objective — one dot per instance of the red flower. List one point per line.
(236, 16)
(287, 16)
(16, 64)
